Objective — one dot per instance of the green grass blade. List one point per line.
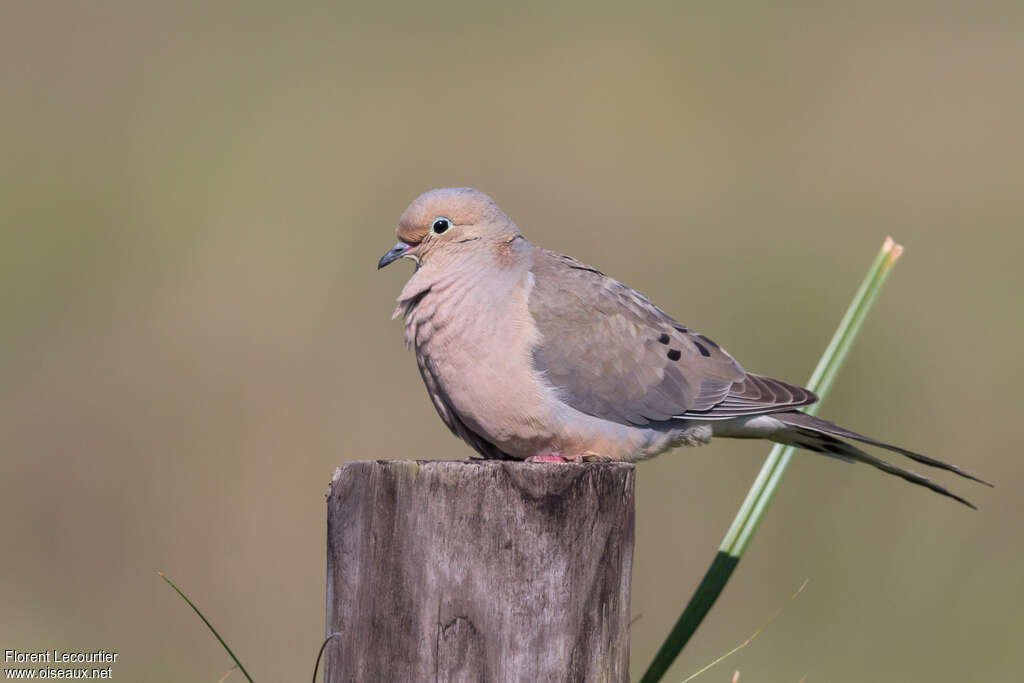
(748, 641)
(703, 598)
(763, 489)
(208, 625)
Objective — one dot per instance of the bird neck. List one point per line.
(489, 266)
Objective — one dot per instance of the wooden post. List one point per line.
(479, 571)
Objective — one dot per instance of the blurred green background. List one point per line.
(193, 198)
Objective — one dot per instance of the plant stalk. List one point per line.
(767, 482)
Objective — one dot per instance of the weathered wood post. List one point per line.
(479, 571)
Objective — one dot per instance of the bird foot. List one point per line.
(546, 458)
(576, 459)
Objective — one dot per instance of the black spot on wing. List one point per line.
(664, 339)
(674, 354)
(703, 349)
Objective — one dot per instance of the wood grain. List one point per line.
(479, 571)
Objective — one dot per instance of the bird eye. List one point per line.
(440, 225)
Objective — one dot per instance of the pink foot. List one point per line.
(546, 458)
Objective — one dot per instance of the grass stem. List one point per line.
(209, 626)
(767, 482)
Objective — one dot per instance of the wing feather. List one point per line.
(611, 353)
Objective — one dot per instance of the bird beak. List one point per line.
(396, 252)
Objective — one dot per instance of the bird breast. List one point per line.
(473, 340)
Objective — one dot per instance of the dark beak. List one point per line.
(396, 252)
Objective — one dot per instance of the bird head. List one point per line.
(443, 223)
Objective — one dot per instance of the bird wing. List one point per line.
(611, 353)
(756, 395)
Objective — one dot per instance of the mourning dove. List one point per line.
(532, 355)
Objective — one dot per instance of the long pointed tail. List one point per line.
(815, 434)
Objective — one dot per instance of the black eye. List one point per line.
(441, 224)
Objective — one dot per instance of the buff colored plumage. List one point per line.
(529, 354)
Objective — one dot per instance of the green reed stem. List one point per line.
(763, 489)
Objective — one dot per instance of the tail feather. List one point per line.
(816, 424)
(807, 431)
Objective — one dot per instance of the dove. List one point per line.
(532, 355)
